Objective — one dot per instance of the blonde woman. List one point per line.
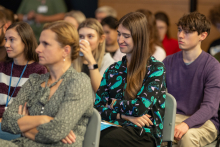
(52, 109)
(94, 61)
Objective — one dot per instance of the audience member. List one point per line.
(192, 77)
(110, 25)
(9, 16)
(94, 61)
(105, 11)
(214, 16)
(3, 27)
(75, 17)
(38, 12)
(155, 45)
(132, 92)
(170, 45)
(21, 61)
(50, 106)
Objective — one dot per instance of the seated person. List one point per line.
(21, 61)
(155, 46)
(105, 11)
(75, 17)
(133, 91)
(3, 26)
(170, 44)
(110, 25)
(214, 16)
(52, 109)
(93, 60)
(192, 77)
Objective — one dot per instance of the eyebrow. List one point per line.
(123, 33)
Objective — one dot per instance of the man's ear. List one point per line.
(102, 39)
(67, 51)
(203, 36)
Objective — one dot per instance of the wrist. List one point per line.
(91, 62)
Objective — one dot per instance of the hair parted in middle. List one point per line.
(66, 34)
(26, 33)
(136, 23)
(195, 21)
(98, 53)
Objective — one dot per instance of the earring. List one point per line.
(64, 59)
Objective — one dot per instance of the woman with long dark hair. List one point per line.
(132, 92)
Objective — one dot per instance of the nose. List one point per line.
(38, 49)
(7, 45)
(120, 39)
(181, 34)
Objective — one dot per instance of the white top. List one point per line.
(118, 55)
(160, 53)
(106, 62)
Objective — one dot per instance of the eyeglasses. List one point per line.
(2, 26)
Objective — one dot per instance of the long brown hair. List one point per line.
(28, 38)
(136, 23)
(154, 38)
(98, 53)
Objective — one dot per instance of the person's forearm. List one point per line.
(55, 17)
(29, 122)
(95, 79)
(31, 133)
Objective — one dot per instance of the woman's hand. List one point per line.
(70, 138)
(139, 121)
(87, 52)
(23, 111)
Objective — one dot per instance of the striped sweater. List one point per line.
(5, 72)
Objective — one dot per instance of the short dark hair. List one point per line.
(195, 21)
(214, 14)
(28, 38)
(111, 22)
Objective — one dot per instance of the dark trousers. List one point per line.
(126, 136)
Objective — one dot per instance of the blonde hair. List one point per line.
(78, 15)
(108, 10)
(98, 53)
(66, 34)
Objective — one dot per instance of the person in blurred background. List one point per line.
(38, 12)
(170, 45)
(110, 25)
(93, 61)
(214, 16)
(3, 28)
(105, 11)
(9, 16)
(75, 17)
(155, 46)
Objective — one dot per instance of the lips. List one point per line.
(180, 42)
(8, 50)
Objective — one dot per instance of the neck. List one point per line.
(20, 61)
(191, 55)
(128, 58)
(56, 71)
(112, 47)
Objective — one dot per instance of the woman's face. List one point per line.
(72, 21)
(162, 28)
(49, 50)
(125, 40)
(111, 35)
(13, 44)
(91, 36)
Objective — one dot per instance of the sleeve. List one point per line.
(151, 90)
(78, 99)
(22, 7)
(210, 104)
(59, 6)
(102, 95)
(107, 61)
(11, 116)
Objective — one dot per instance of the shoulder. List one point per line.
(108, 58)
(37, 68)
(155, 68)
(154, 62)
(210, 60)
(169, 59)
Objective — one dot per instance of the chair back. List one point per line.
(92, 135)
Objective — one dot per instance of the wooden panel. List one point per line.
(174, 9)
